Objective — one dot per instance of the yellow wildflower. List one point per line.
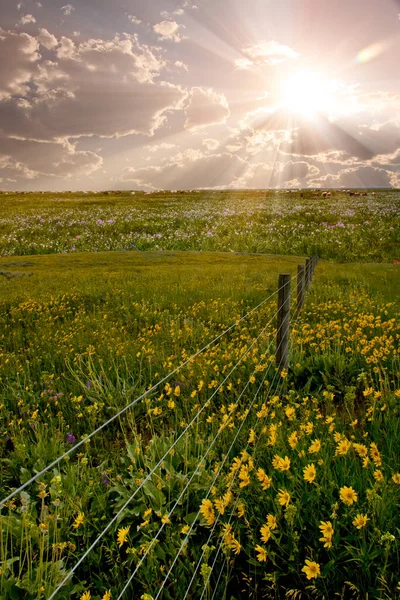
(240, 509)
(311, 569)
(310, 473)
(122, 535)
(207, 511)
(262, 553)
(265, 533)
(396, 478)
(86, 596)
(281, 464)
(78, 520)
(264, 479)
(107, 595)
(348, 495)
(185, 529)
(360, 521)
(315, 447)
(283, 498)
(271, 520)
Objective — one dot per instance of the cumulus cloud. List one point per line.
(96, 87)
(67, 9)
(210, 144)
(265, 53)
(189, 169)
(205, 107)
(168, 30)
(361, 176)
(26, 19)
(46, 39)
(32, 160)
(19, 52)
(134, 20)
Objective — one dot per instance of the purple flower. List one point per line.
(105, 480)
(70, 439)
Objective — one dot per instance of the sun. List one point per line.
(309, 93)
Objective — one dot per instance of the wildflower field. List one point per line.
(339, 227)
(229, 479)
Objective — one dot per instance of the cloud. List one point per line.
(68, 9)
(46, 39)
(33, 160)
(134, 20)
(96, 87)
(168, 30)
(265, 53)
(205, 107)
(26, 19)
(19, 52)
(359, 177)
(188, 170)
(210, 144)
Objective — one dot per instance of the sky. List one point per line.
(184, 94)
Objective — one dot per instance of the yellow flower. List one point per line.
(360, 521)
(235, 546)
(252, 436)
(220, 505)
(293, 440)
(375, 455)
(326, 528)
(311, 569)
(78, 520)
(240, 509)
(107, 595)
(271, 520)
(122, 535)
(171, 404)
(264, 479)
(378, 475)
(177, 391)
(310, 473)
(244, 476)
(343, 447)
(207, 511)
(348, 495)
(265, 533)
(281, 464)
(396, 478)
(283, 498)
(262, 553)
(361, 449)
(86, 596)
(315, 447)
(185, 529)
(327, 533)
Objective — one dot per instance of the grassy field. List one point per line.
(84, 334)
(279, 484)
(339, 227)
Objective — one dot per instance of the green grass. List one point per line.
(82, 335)
(338, 227)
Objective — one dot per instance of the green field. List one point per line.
(269, 469)
(340, 227)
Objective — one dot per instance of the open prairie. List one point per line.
(191, 466)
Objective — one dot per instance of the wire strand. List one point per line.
(112, 521)
(123, 410)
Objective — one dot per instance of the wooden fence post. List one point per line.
(300, 286)
(283, 323)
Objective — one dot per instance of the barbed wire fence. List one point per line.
(282, 318)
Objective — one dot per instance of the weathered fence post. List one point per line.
(300, 286)
(282, 334)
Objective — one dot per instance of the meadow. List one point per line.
(340, 227)
(232, 479)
